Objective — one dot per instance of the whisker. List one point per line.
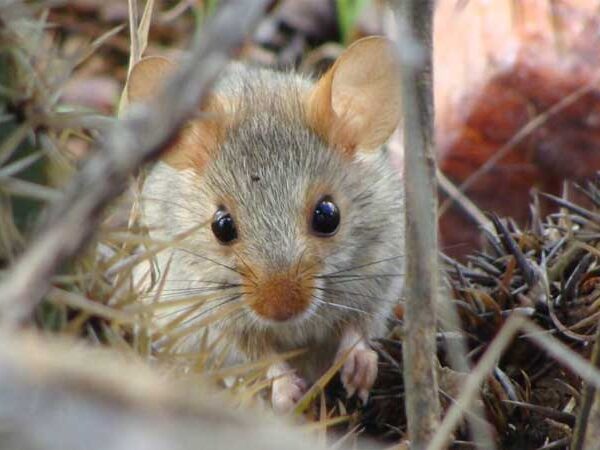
(196, 304)
(337, 305)
(199, 289)
(238, 314)
(359, 276)
(356, 294)
(322, 260)
(212, 308)
(380, 261)
(172, 324)
(198, 281)
(159, 306)
(191, 295)
(300, 262)
(175, 334)
(182, 310)
(254, 277)
(338, 279)
(211, 260)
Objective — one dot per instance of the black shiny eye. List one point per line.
(223, 226)
(326, 217)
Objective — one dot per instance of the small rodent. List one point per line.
(291, 213)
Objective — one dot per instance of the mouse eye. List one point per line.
(326, 217)
(223, 226)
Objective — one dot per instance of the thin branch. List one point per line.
(562, 354)
(414, 19)
(142, 135)
(464, 202)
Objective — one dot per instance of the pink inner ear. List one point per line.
(361, 96)
(147, 76)
(202, 137)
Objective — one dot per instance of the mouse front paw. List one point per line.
(287, 389)
(359, 371)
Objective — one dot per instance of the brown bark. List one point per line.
(421, 289)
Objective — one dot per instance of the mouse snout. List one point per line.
(281, 296)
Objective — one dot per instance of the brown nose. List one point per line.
(280, 297)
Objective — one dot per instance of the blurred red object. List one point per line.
(506, 70)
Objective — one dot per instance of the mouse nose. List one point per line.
(280, 297)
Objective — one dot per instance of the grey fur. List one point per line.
(266, 166)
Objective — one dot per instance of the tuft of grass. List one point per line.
(348, 12)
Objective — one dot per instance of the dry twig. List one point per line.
(141, 136)
(422, 403)
(58, 394)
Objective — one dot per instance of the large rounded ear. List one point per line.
(147, 76)
(356, 105)
(198, 140)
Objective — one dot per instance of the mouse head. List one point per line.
(290, 179)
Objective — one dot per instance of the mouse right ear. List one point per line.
(357, 105)
(147, 76)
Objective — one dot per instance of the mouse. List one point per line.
(285, 217)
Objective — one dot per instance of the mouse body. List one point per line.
(286, 217)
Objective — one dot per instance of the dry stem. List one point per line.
(141, 136)
(419, 347)
(56, 394)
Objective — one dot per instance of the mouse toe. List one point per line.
(359, 372)
(286, 391)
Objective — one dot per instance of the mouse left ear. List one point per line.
(200, 137)
(356, 105)
(146, 77)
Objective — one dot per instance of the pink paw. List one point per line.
(359, 371)
(286, 391)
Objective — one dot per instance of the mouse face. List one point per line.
(283, 191)
(294, 212)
